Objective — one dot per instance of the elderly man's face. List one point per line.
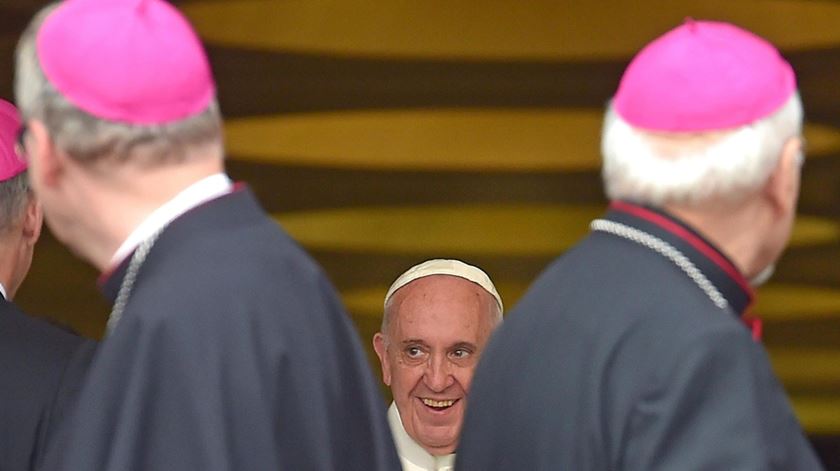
(438, 328)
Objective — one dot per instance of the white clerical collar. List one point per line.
(3, 291)
(412, 455)
(199, 192)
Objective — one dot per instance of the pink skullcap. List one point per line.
(11, 165)
(703, 76)
(133, 61)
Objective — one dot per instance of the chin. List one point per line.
(440, 444)
(441, 451)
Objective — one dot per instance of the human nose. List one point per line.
(438, 374)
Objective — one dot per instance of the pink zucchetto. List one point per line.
(11, 165)
(133, 61)
(703, 76)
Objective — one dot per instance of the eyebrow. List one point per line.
(467, 345)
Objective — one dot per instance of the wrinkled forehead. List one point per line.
(441, 306)
(441, 286)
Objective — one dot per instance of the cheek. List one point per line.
(464, 378)
(404, 377)
(53, 215)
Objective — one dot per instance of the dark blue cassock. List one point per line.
(616, 359)
(233, 353)
(42, 368)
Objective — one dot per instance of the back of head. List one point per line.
(14, 186)
(118, 79)
(701, 113)
(20, 216)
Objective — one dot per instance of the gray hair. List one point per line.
(688, 168)
(89, 139)
(14, 196)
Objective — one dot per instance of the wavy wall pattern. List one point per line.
(382, 134)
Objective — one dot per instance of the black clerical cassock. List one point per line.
(629, 352)
(41, 369)
(232, 353)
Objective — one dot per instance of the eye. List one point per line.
(413, 352)
(461, 353)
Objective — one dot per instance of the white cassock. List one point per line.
(412, 456)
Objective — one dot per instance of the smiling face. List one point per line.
(438, 328)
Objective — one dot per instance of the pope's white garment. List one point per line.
(412, 456)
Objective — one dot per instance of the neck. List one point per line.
(735, 228)
(126, 197)
(10, 264)
(410, 449)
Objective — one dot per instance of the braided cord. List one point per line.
(666, 250)
(128, 281)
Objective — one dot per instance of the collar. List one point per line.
(411, 453)
(703, 254)
(3, 291)
(240, 201)
(199, 192)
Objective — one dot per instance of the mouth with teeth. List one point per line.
(438, 405)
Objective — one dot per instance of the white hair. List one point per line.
(687, 168)
(88, 138)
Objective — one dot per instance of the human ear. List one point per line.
(33, 220)
(381, 349)
(782, 188)
(45, 164)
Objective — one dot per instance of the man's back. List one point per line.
(226, 347)
(616, 359)
(38, 380)
(233, 353)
